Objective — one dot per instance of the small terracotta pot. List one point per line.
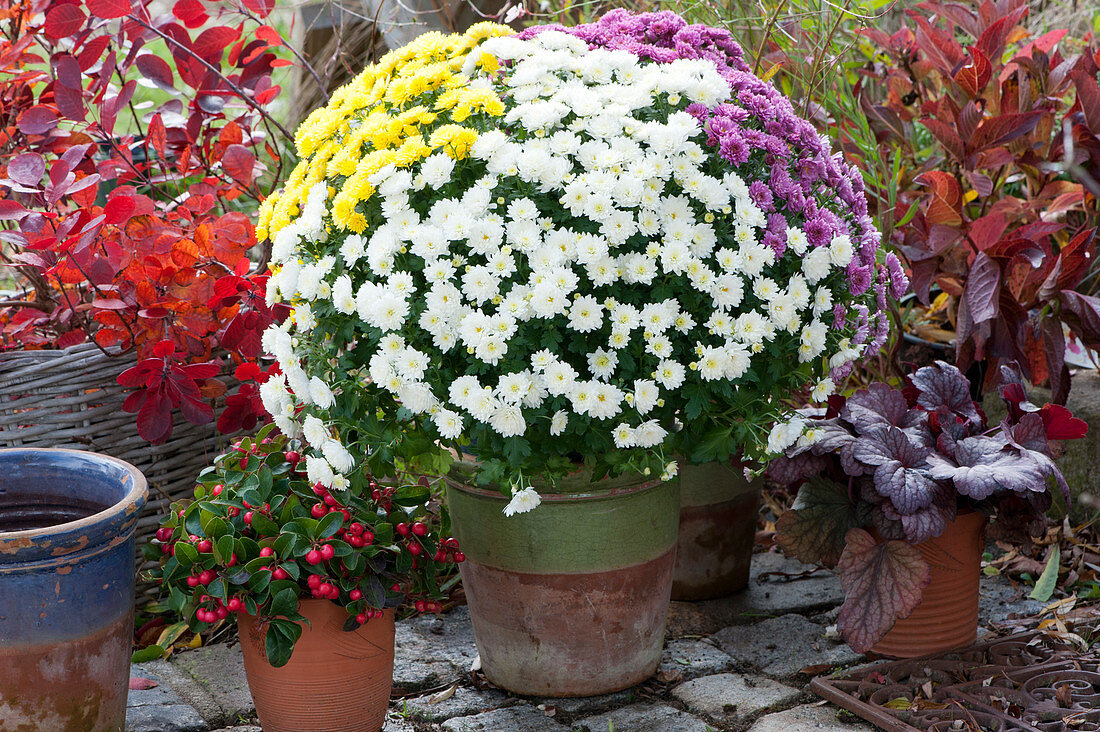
(947, 616)
(717, 529)
(335, 680)
(569, 599)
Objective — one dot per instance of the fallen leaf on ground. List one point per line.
(139, 682)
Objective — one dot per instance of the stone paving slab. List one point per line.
(730, 698)
(211, 679)
(524, 718)
(159, 709)
(767, 595)
(463, 702)
(644, 718)
(689, 659)
(575, 706)
(808, 718)
(783, 646)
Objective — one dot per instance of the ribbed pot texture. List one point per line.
(67, 521)
(569, 599)
(335, 680)
(947, 616)
(717, 529)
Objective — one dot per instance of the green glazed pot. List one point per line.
(569, 599)
(717, 528)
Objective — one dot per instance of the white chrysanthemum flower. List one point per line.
(602, 363)
(558, 422)
(315, 432)
(672, 469)
(585, 314)
(841, 250)
(623, 436)
(823, 390)
(338, 456)
(816, 265)
(513, 388)
(507, 420)
(320, 393)
(669, 374)
(448, 422)
(649, 434)
(342, 297)
(522, 501)
(319, 471)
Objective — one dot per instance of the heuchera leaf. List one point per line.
(984, 467)
(878, 404)
(942, 384)
(882, 583)
(900, 472)
(813, 530)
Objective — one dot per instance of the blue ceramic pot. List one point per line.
(67, 523)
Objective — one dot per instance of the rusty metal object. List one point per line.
(717, 527)
(565, 635)
(66, 589)
(335, 680)
(1028, 682)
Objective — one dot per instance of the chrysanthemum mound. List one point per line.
(612, 242)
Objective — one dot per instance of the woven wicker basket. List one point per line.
(70, 398)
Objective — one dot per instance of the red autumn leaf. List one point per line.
(882, 583)
(109, 8)
(260, 7)
(269, 34)
(154, 420)
(64, 20)
(239, 162)
(247, 371)
(268, 94)
(156, 70)
(946, 205)
(27, 169)
(92, 51)
(201, 370)
(212, 42)
(72, 338)
(9, 210)
(68, 93)
(119, 209)
(156, 136)
(36, 120)
(1005, 128)
(1061, 424)
(164, 349)
(983, 288)
(191, 12)
(138, 683)
(230, 134)
(974, 75)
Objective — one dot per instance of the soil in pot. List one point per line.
(947, 616)
(335, 680)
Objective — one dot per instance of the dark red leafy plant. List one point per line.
(998, 133)
(132, 150)
(903, 462)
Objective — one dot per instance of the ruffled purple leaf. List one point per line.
(983, 467)
(877, 404)
(926, 523)
(943, 385)
(813, 530)
(882, 583)
(900, 468)
(788, 471)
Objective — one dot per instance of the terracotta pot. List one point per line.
(717, 528)
(569, 599)
(67, 522)
(335, 680)
(947, 616)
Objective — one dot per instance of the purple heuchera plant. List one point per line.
(903, 462)
(782, 155)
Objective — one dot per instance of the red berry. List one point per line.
(217, 490)
(356, 541)
(319, 489)
(205, 545)
(353, 528)
(314, 557)
(206, 577)
(355, 595)
(234, 605)
(420, 528)
(193, 581)
(314, 581)
(222, 613)
(232, 560)
(440, 555)
(395, 587)
(248, 517)
(324, 588)
(402, 529)
(244, 463)
(327, 552)
(292, 457)
(233, 511)
(266, 551)
(460, 557)
(361, 618)
(280, 574)
(347, 514)
(421, 606)
(318, 510)
(368, 537)
(330, 500)
(415, 549)
(164, 534)
(334, 593)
